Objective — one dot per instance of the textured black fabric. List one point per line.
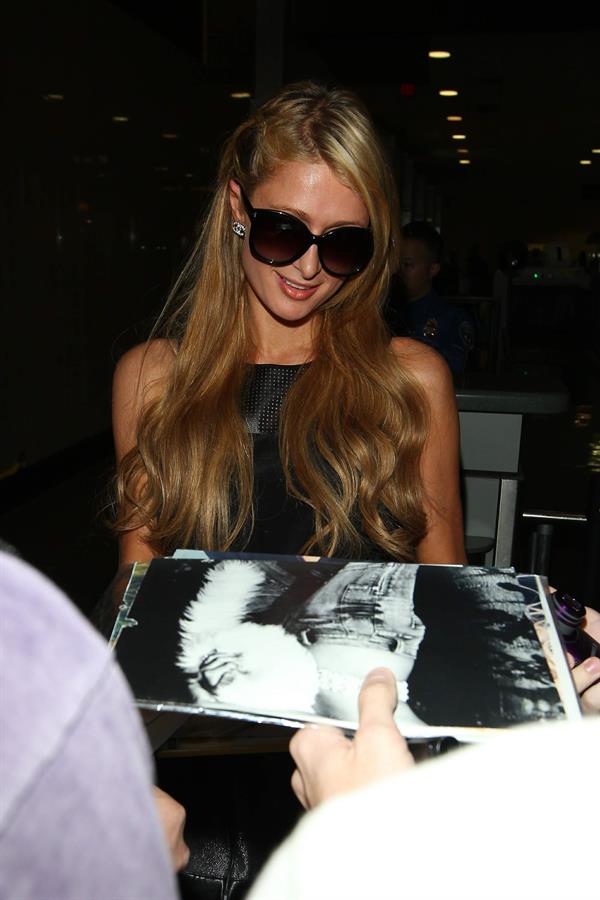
(264, 394)
(282, 524)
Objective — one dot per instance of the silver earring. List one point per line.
(239, 229)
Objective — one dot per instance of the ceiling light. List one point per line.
(169, 135)
(54, 97)
(240, 95)
(454, 118)
(439, 54)
(595, 149)
(462, 150)
(459, 137)
(120, 118)
(464, 162)
(585, 162)
(448, 93)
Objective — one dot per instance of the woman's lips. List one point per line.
(294, 290)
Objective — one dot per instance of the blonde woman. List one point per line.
(274, 413)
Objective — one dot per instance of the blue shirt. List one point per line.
(447, 328)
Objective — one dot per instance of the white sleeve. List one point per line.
(517, 817)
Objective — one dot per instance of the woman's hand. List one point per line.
(587, 674)
(328, 763)
(172, 818)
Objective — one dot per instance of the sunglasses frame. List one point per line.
(317, 239)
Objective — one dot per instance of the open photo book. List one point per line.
(286, 640)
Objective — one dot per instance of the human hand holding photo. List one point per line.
(587, 674)
(328, 763)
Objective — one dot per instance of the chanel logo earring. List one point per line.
(239, 229)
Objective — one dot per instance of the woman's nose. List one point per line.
(309, 264)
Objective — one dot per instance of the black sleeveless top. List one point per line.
(282, 524)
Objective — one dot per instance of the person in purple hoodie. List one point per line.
(78, 816)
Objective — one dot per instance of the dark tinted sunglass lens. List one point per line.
(278, 237)
(347, 251)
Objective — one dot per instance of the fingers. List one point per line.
(590, 700)
(316, 750)
(587, 674)
(313, 741)
(592, 622)
(298, 788)
(587, 681)
(328, 764)
(377, 699)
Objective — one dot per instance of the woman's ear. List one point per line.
(235, 201)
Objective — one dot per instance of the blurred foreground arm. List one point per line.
(77, 818)
(442, 828)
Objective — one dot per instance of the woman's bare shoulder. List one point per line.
(139, 378)
(147, 361)
(144, 367)
(426, 364)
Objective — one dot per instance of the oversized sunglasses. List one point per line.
(278, 239)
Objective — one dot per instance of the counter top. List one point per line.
(511, 393)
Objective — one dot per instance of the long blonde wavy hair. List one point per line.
(353, 453)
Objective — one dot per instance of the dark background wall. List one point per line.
(97, 214)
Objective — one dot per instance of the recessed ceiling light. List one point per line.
(120, 118)
(459, 137)
(585, 162)
(53, 97)
(462, 150)
(464, 162)
(439, 54)
(595, 149)
(169, 135)
(448, 93)
(454, 118)
(240, 95)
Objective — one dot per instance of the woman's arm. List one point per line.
(139, 377)
(440, 462)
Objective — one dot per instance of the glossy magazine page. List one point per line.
(287, 640)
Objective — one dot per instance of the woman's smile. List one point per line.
(296, 290)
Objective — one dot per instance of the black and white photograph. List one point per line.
(282, 637)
